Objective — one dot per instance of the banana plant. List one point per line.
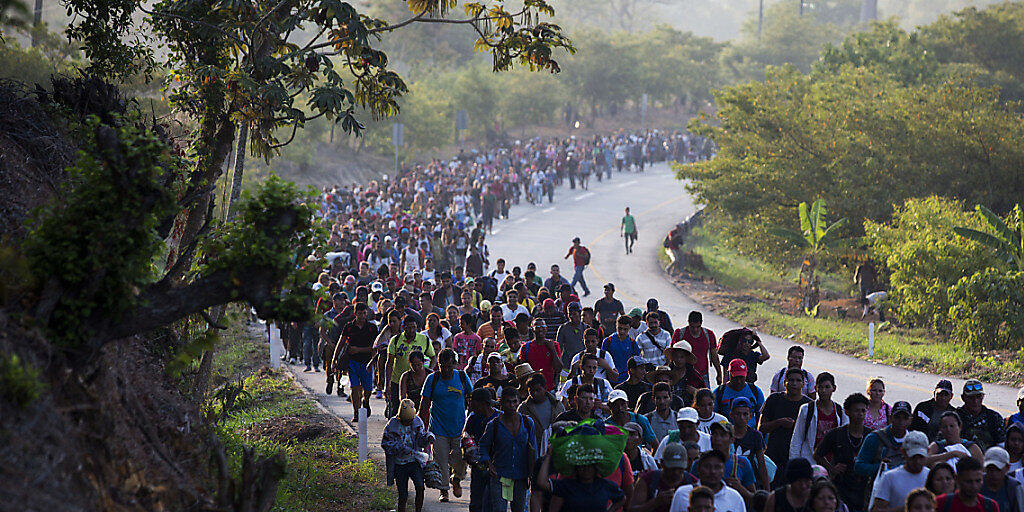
(1007, 241)
(816, 235)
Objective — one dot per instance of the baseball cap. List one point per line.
(548, 303)
(618, 394)
(688, 414)
(635, 312)
(944, 385)
(574, 306)
(742, 401)
(904, 407)
(998, 457)
(632, 426)
(737, 368)
(723, 425)
(973, 387)
(376, 286)
(674, 456)
(609, 286)
(915, 443)
(576, 239)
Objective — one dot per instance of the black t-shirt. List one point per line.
(494, 382)
(645, 403)
(591, 496)
(775, 407)
(633, 391)
(362, 337)
(839, 447)
(609, 311)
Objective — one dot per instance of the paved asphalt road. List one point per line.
(542, 234)
(658, 201)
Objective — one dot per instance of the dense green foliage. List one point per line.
(94, 249)
(861, 131)
(924, 257)
(19, 382)
(986, 307)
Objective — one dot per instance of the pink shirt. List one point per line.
(467, 346)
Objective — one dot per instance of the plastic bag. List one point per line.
(590, 442)
(432, 475)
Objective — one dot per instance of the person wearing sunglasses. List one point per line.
(980, 424)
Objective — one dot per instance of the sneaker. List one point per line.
(355, 419)
(443, 498)
(380, 395)
(307, 370)
(341, 390)
(330, 387)
(316, 369)
(291, 361)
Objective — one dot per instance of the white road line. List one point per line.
(584, 196)
(626, 184)
(546, 210)
(520, 221)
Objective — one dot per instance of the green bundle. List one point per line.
(589, 442)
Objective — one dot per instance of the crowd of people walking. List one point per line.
(486, 364)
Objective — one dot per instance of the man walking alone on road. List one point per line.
(627, 230)
(580, 260)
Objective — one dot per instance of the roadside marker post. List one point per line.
(871, 339)
(275, 345)
(362, 434)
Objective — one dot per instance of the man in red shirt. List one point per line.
(580, 260)
(543, 354)
(702, 341)
(967, 498)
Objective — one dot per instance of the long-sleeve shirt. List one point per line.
(510, 453)
(871, 454)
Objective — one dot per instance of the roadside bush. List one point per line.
(985, 310)
(924, 257)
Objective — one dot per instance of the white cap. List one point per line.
(915, 443)
(998, 457)
(618, 394)
(688, 414)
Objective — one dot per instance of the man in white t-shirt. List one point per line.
(511, 308)
(897, 483)
(711, 472)
(686, 420)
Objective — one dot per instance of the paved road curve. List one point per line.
(658, 201)
(542, 234)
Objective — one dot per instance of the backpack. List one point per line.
(585, 255)
(720, 394)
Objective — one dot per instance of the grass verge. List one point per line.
(755, 294)
(273, 415)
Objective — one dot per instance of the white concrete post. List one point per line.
(362, 434)
(871, 339)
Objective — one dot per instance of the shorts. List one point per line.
(405, 472)
(359, 376)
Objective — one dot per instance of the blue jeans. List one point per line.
(577, 276)
(519, 488)
(478, 491)
(310, 346)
